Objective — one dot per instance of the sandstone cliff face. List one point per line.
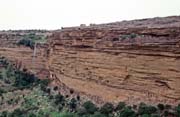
(136, 61)
(116, 64)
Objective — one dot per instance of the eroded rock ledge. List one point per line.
(136, 61)
(116, 64)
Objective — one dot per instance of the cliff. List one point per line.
(132, 61)
(114, 63)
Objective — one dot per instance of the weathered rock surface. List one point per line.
(116, 64)
(136, 61)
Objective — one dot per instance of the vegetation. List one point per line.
(26, 42)
(128, 36)
(30, 39)
(24, 95)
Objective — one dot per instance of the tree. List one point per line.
(90, 107)
(144, 109)
(120, 105)
(107, 108)
(98, 114)
(160, 106)
(68, 115)
(127, 112)
(17, 113)
(59, 99)
(73, 104)
(4, 114)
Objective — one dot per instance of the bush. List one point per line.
(126, 112)
(98, 114)
(178, 110)
(90, 107)
(26, 42)
(73, 104)
(78, 97)
(120, 105)
(146, 115)
(68, 115)
(4, 114)
(144, 109)
(132, 35)
(107, 108)
(2, 91)
(17, 113)
(155, 115)
(55, 88)
(59, 99)
(160, 106)
(24, 80)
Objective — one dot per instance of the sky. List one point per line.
(54, 14)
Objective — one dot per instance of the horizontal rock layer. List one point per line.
(132, 65)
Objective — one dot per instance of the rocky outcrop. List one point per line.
(135, 61)
(116, 64)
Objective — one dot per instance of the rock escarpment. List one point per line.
(133, 61)
(114, 64)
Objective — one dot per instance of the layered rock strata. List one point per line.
(114, 64)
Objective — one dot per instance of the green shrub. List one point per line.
(17, 113)
(2, 91)
(68, 115)
(24, 80)
(97, 114)
(126, 112)
(26, 42)
(59, 99)
(166, 113)
(144, 109)
(107, 108)
(73, 104)
(120, 105)
(4, 114)
(146, 115)
(160, 106)
(133, 35)
(178, 110)
(90, 107)
(155, 115)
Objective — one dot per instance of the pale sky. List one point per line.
(54, 14)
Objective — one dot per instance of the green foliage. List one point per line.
(4, 114)
(2, 91)
(89, 107)
(17, 113)
(120, 105)
(24, 80)
(161, 106)
(128, 36)
(107, 108)
(146, 115)
(97, 114)
(59, 101)
(68, 115)
(73, 104)
(127, 112)
(178, 110)
(133, 35)
(155, 115)
(144, 109)
(26, 42)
